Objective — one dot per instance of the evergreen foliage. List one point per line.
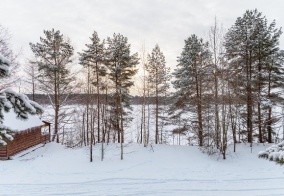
(93, 61)
(193, 66)
(53, 54)
(10, 100)
(94, 56)
(7, 56)
(251, 44)
(158, 78)
(217, 92)
(121, 68)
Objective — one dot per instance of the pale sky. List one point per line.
(164, 22)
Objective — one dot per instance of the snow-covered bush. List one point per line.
(263, 154)
(274, 153)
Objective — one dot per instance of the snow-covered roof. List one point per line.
(16, 124)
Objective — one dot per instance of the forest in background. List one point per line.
(226, 87)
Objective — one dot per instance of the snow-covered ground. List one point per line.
(53, 169)
(161, 170)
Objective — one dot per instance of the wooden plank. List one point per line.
(3, 151)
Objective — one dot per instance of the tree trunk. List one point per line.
(121, 125)
(259, 101)
(143, 111)
(91, 146)
(249, 99)
(157, 113)
(141, 126)
(117, 109)
(98, 100)
(269, 120)
(259, 123)
(56, 102)
(224, 128)
(199, 109)
(83, 130)
(148, 119)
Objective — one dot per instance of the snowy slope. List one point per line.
(163, 170)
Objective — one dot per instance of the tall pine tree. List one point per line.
(189, 80)
(250, 44)
(121, 68)
(158, 77)
(93, 60)
(53, 54)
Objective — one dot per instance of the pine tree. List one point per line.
(93, 58)
(53, 54)
(189, 80)
(158, 78)
(8, 53)
(121, 68)
(250, 43)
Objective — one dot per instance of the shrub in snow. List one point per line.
(274, 153)
(274, 156)
(263, 154)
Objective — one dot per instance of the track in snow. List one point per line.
(132, 186)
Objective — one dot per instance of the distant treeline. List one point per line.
(45, 99)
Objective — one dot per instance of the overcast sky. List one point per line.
(166, 22)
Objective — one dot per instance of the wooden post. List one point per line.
(49, 132)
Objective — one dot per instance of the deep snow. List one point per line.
(161, 170)
(16, 124)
